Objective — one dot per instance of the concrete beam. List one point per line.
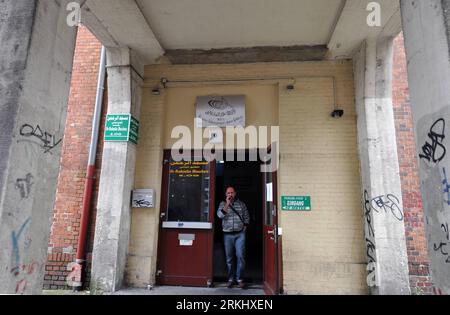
(36, 48)
(246, 55)
(381, 192)
(117, 180)
(120, 23)
(427, 42)
(352, 27)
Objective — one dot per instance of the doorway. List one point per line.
(246, 178)
(190, 243)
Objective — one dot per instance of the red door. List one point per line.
(271, 239)
(186, 233)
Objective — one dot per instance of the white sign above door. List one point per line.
(220, 111)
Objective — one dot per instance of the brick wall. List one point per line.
(62, 246)
(416, 241)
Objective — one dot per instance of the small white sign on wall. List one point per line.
(221, 111)
(269, 192)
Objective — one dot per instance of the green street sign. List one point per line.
(296, 203)
(134, 130)
(121, 128)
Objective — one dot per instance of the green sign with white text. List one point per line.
(296, 203)
(121, 128)
(134, 130)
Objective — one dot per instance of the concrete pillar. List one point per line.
(380, 179)
(117, 177)
(36, 54)
(426, 27)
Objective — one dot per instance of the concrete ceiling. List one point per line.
(199, 28)
(352, 27)
(208, 24)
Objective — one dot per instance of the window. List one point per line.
(188, 193)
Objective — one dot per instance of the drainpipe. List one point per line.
(90, 173)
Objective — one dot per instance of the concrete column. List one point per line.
(380, 179)
(117, 177)
(426, 26)
(36, 54)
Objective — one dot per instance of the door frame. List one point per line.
(163, 203)
(247, 153)
(279, 258)
(278, 247)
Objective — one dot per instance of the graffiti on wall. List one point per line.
(432, 153)
(370, 242)
(22, 270)
(446, 187)
(24, 185)
(387, 204)
(15, 238)
(435, 151)
(443, 246)
(36, 135)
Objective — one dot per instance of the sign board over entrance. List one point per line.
(121, 128)
(221, 111)
(296, 203)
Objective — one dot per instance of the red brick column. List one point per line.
(62, 245)
(416, 241)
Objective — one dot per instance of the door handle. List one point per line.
(273, 237)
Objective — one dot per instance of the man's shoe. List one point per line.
(242, 285)
(230, 284)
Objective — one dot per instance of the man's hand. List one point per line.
(227, 204)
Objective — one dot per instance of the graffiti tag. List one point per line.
(387, 203)
(446, 186)
(435, 151)
(370, 245)
(24, 185)
(27, 269)
(24, 270)
(46, 140)
(442, 245)
(15, 241)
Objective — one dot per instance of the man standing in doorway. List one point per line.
(235, 219)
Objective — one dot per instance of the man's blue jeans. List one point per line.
(235, 242)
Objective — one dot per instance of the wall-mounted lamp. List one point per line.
(337, 113)
(156, 91)
(164, 82)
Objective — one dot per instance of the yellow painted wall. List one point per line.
(261, 105)
(323, 250)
